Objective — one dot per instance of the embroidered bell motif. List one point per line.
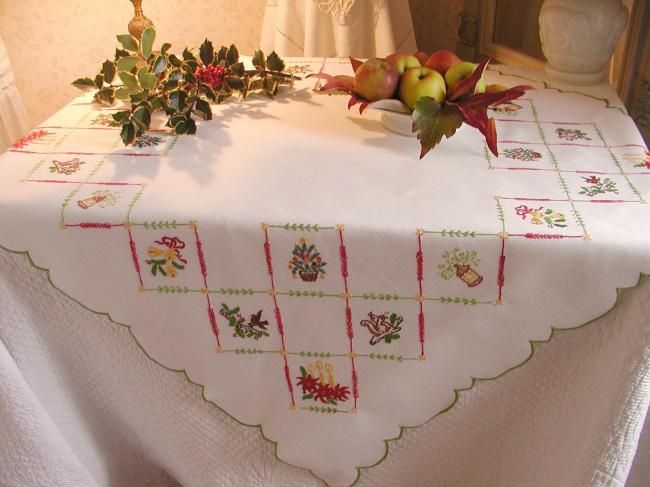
(468, 275)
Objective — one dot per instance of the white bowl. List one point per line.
(395, 116)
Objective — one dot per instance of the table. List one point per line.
(320, 28)
(579, 429)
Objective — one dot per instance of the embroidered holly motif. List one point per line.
(168, 259)
(315, 385)
(101, 198)
(147, 141)
(521, 154)
(638, 160)
(383, 327)
(510, 109)
(459, 263)
(104, 120)
(34, 137)
(598, 186)
(255, 328)
(66, 167)
(571, 134)
(306, 261)
(541, 215)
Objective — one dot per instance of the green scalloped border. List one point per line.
(547, 86)
(457, 392)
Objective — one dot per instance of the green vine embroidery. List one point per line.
(255, 328)
(306, 262)
(384, 327)
(459, 263)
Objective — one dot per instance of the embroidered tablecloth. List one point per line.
(301, 264)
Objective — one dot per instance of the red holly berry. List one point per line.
(214, 76)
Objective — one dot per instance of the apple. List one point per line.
(376, 79)
(464, 70)
(402, 62)
(495, 88)
(441, 61)
(417, 83)
(422, 57)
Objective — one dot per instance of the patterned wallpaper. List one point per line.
(51, 42)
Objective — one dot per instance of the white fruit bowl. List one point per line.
(395, 116)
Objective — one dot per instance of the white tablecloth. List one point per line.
(141, 209)
(371, 28)
(13, 122)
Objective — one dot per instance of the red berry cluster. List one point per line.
(211, 75)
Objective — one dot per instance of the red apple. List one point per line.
(441, 61)
(417, 83)
(402, 62)
(376, 79)
(422, 57)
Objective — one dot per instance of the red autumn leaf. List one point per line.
(355, 63)
(467, 85)
(339, 83)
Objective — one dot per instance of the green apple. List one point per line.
(461, 71)
(402, 62)
(417, 83)
(376, 79)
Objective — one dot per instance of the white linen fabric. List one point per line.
(83, 406)
(299, 261)
(370, 28)
(13, 121)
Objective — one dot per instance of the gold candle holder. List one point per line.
(139, 22)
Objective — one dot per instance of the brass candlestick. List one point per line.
(139, 22)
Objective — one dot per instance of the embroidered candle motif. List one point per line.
(383, 327)
(167, 259)
(66, 167)
(459, 263)
(255, 327)
(571, 134)
(306, 261)
(598, 186)
(317, 383)
(102, 198)
(521, 154)
(541, 215)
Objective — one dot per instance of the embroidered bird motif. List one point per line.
(383, 327)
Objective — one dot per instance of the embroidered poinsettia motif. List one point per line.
(66, 167)
(36, 136)
(100, 198)
(104, 120)
(571, 134)
(167, 259)
(521, 154)
(318, 384)
(459, 263)
(541, 215)
(255, 327)
(306, 261)
(147, 141)
(597, 186)
(383, 327)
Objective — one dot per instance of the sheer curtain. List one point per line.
(13, 122)
(324, 28)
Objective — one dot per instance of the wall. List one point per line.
(52, 42)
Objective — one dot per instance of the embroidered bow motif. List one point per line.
(168, 261)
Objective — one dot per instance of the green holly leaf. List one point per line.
(119, 53)
(206, 51)
(274, 62)
(147, 80)
(99, 81)
(204, 110)
(232, 56)
(174, 61)
(238, 69)
(177, 100)
(125, 92)
(258, 59)
(108, 69)
(146, 44)
(432, 121)
(127, 63)
(84, 83)
(128, 134)
(159, 64)
(106, 96)
(128, 79)
(164, 48)
(128, 42)
(121, 117)
(142, 117)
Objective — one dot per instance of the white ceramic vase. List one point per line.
(579, 36)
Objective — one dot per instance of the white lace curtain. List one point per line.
(13, 122)
(319, 28)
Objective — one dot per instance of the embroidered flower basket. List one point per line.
(468, 275)
(308, 276)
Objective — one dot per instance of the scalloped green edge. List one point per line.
(547, 86)
(457, 392)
